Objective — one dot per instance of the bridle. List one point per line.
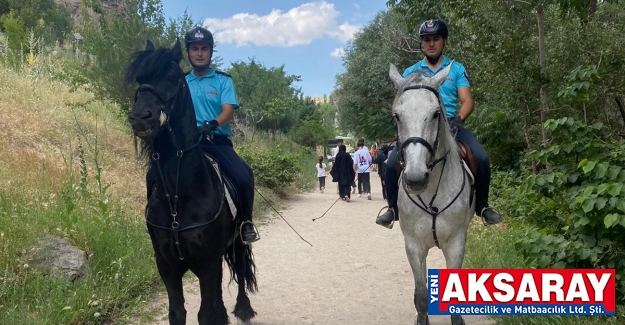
(432, 148)
(152, 90)
(433, 161)
(172, 201)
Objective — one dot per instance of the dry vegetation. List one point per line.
(39, 137)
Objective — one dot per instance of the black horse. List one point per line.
(187, 215)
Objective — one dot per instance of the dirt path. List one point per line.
(356, 273)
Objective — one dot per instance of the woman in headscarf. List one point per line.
(343, 172)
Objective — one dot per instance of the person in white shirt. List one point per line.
(362, 166)
(321, 174)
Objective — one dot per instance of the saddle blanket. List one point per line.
(231, 205)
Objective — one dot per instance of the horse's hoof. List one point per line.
(421, 321)
(240, 322)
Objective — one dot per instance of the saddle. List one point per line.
(465, 153)
(230, 192)
(469, 160)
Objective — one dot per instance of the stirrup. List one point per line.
(389, 225)
(255, 230)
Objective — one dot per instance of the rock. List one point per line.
(56, 257)
(75, 6)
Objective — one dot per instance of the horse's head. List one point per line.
(421, 123)
(159, 77)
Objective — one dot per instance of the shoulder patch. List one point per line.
(223, 73)
(467, 76)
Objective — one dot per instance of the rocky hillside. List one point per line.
(75, 7)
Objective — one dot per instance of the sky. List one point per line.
(307, 37)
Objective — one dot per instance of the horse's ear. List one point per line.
(395, 76)
(149, 46)
(177, 50)
(440, 77)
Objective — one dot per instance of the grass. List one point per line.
(58, 159)
(118, 249)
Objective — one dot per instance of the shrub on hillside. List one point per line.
(50, 22)
(579, 202)
(273, 168)
(16, 34)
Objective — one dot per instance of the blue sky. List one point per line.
(307, 37)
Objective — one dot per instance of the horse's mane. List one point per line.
(148, 64)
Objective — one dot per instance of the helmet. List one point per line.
(196, 34)
(431, 27)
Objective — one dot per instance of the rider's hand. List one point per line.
(455, 123)
(208, 127)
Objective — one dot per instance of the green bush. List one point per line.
(274, 167)
(16, 34)
(578, 202)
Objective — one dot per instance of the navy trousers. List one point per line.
(235, 169)
(482, 179)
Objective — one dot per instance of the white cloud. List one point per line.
(357, 6)
(338, 52)
(346, 32)
(298, 26)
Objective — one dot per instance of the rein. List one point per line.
(432, 150)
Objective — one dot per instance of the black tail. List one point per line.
(240, 260)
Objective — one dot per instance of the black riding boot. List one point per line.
(490, 216)
(392, 189)
(386, 219)
(248, 232)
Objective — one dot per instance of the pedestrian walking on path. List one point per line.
(343, 172)
(362, 166)
(321, 173)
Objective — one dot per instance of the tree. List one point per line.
(364, 92)
(315, 122)
(266, 95)
(111, 41)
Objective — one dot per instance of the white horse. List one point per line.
(435, 200)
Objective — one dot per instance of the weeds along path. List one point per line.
(356, 273)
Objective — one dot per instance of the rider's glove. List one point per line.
(208, 127)
(455, 123)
